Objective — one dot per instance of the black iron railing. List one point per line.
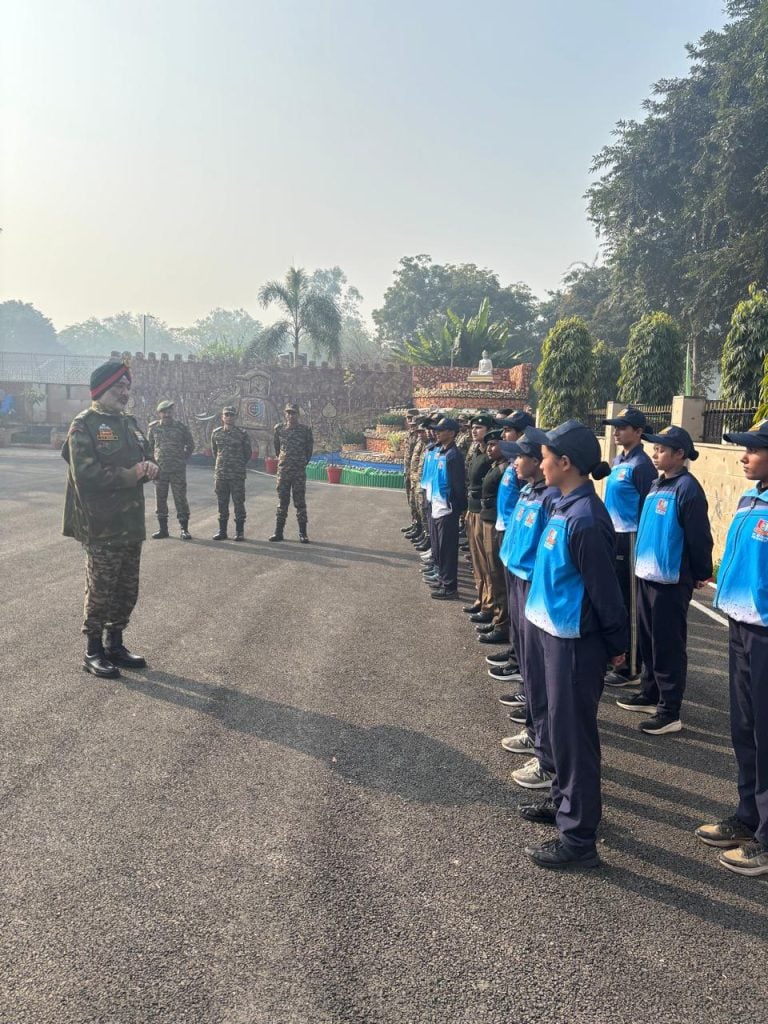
(724, 417)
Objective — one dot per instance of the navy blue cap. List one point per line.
(674, 437)
(531, 441)
(483, 420)
(629, 417)
(509, 449)
(577, 442)
(517, 421)
(755, 437)
(446, 423)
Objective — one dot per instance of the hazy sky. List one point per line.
(168, 156)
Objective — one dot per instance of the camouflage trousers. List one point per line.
(177, 479)
(292, 484)
(111, 586)
(235, 489)
(414, 501)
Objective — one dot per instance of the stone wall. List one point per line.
(516, 379)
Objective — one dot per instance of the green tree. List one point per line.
(606, 366)
(594, 293)
(310, 317)
(745, 349)
(564, 378)
(422, 291)
(652, 367)
(25, 329)
(461, 341)
(356, 342)
(123, 332)
(224, 334)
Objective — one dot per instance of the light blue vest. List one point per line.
(622, 499)
(507, 497)
(521, 538)
(660, 539)
(742, 582)
(557, 590)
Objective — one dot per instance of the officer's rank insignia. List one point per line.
(106, 433)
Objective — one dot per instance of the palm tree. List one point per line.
(308, 315)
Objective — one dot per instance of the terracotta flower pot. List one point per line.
(334, 474)
(270, 464)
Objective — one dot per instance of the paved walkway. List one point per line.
(301, 812)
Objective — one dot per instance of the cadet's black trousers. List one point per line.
(662, 621)
(625, 571)
(445, 549)
(530, 657)
(748, 672)
(573, 674)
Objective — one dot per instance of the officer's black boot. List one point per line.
(119, 654)
(303, 538)
(222, 534)
(163, 531)
(239, 529)
(278, 534)
(184, 529)
(96, 661)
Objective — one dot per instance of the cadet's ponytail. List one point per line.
(600, 471)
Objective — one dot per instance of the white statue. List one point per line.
(485, 366)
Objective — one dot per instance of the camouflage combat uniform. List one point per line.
(417, 465)
(104, 510)
(293, 447)
(410, 445)
(171, 445)
(232, 451)
(414, 475)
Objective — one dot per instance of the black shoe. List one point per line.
(513, 700)
(122, 656)
(487, 627)
(481, 616)
(517, 715)
(434, 583)
(441, 594)
(659, 724)
(240, 530)
(407, 529)
(303, 538)
(423, 545)
(502, 659)
(637, 702)
(556, 855)
(184, 533)
(463, 547)
(614, 678)
(472, 609)
(222, 534)
(542, 812)
(505, 674)
(162, 531)
(498, 636)
(99, 665)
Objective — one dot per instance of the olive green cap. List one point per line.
(165, 404)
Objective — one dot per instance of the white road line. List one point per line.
(710, 613)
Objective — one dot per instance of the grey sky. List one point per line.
(170, 156)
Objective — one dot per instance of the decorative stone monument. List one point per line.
(483, 375)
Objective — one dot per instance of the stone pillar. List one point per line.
(612, 410)
(688, 413)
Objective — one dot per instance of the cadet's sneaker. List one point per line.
(533, 776)
(502, 658)
(726, 833)
(520, 744)
(441, 594)
(518, 715)
(556, 855)
(506, 675)
(618, 680)
(513, 700)
(658, 724)
(423, 545)
(496, 636)
(481, 617)
(426, 554)
(472, 609)
(751, 859)
(637, 702)
(543, 812)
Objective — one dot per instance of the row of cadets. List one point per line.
(673, 557)
(742, 595)
(575, 624)
(518, 554)
(448, 502)
(626, 488)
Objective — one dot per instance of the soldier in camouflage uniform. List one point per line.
(414, 475)
(109, 464)
(410, 444)
(171, 444)
(232, 450)
(293, 443)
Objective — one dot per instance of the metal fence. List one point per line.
(658, 416)
(723, 417)
(594, 420)
(47, 369)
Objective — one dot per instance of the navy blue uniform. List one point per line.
(742, 594)
(575, 603)
(448, 502)
(674, 550)
(625, 491)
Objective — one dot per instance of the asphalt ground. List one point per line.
(301, 811)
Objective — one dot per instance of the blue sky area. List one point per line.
(170, 156)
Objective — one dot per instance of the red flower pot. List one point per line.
(334, 474)
(270, 464)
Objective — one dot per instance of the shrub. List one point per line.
(353, 437)
(395, 440)
(564, 378)
(745, 349)
(652, 367)
(391, 419)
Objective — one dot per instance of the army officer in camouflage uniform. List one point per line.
(109, 464)
(171, 445)
(231, 447)
(293, 444)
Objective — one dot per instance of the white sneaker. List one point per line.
(520, 744)
(533, 776)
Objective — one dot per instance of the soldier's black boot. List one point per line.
(184, 529)
(118, 653)
(303, 538)
(222, 534)
(278, 534)
(96, 661)
(239, 529)
(163, 531)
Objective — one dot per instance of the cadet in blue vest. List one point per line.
(673, 556)
(448, 503)
(625, 490)
(518, 553)
(575, 604)
(742, 593)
